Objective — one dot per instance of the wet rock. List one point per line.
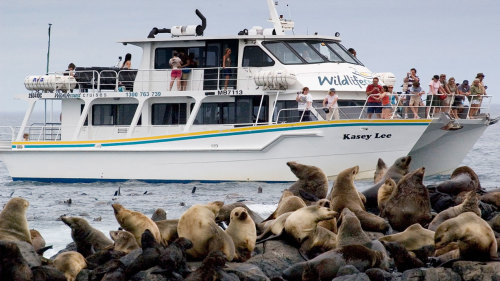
(347, 270)
(487, 210)
(28, 253)
(84, 275)
(377, 274)
(70, 247)
(277, 256)
(353, 277)
(246, 271)
(430, 274)
(473, 270)
(148, 275)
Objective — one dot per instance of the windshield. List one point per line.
(306, 52)
(282, 53)
(326, 52)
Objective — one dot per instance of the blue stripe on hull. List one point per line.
(84, 180)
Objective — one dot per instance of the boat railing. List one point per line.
(7, 133)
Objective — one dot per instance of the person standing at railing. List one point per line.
(330, 105)
(408, 82)
(451, 88)
(476, 91)
(435, 102)
(186, 69)
(304, 100)
(385, 97)
(416, 99)
(463, 90)
(373, 102)
(226, 64)
(175, 62)
(71, 70)
(127, 63)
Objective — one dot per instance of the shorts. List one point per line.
(185, 76)
(475, 102)
(436, 101)
(414, 101)
(226, 71)
(374, 107)
(176, 73)
(387, 105)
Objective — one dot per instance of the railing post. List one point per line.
(26, 118)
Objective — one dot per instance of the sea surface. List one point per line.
(92, 201)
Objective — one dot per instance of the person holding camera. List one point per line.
(330, 105)
(374, 104)
(304, 105)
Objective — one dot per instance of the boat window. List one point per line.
(326, 52)
(342, 52)
(282, 53)
(254, 56)
(306, 52)
(163, 55)
(113, 114)
(243, 110)
(168, 114)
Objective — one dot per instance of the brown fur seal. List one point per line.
(470, 204)
(198, 225)
(409, 203)
(385, 192)
(345, 195)
(476, 240)
(319, 241)
(212, 263)
(312, 180)
(350, 231)
(168, 230)
(492, 198)
(70, 263)
(380, 171)
(13, 223)
(288, 203)
(403, 259)
(87, 239)
(301, 223)
(413, 238)
(396, 172)
(495, 223)
(124, 241)
(13, 266)
(242, 231)
(159, 215)
(273, 227)
(37, 240)
(328, 224)
(462, 179)
(136, 223)
(225, 213)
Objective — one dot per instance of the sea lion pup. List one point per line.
(385, 192)
(409, 203)
(149, 257)
(312, 180)
(303, 222)
(492, 198)
(13, 266)
(462, 179)
(225, 213)
(470, 204)
(413, 238)
(159, 215)
(168, 230)
(214, 262)
(13, 223)
(87, 239)
(136, 223)
(242, 231)
(70, 263)
(403, 259)
(328, 264)
(380, 171)
(198, 225)
(328, 224)
(174, 257)
(124, 241)
(345, 195)
(37, 240)
(273, 227)
(350, 231)
(288, 203)
(396, 172)
(476, 240)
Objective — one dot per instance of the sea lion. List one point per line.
(380, 171)
(288, 203)
(136, 223)
(37, 240)
(311, 180)
(328, 264)
(13, 223)
(174, 256)
(13, 266)
(225, 213)
(470, 204)
(87, 239)
(345, 195)
(319, 241)
(492, 198)
(159, 215)
(495, 223)
(198, 225)
(350, 231)
(301, 223)
(124, 241)
(242, 231)
(385, 192)
(168, 230)
(46, 273)
(403, 259)
(409, 203)
(149, 257)
(208, 270)
(327, 224)
(462, 179)
(70, 263)
(413, 238)
(476, 240)
(273, 227)
(396, 172)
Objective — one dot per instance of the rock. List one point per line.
(84, 275)
(28, 253)
(277, 257)
(347, 270)
(70, 247)
(377, 274)
(353, 277)
(487, 210)
(148, 275)
(430, 274)
(473, 270)
(246, 271)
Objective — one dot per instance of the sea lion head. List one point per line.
(306, 172)
(75, 222)
(17, 204)
(346, 177)
(183, 243)
(215, 206)
(403, 163)
(117, 208)
(239, 213)
(322, 213)
(324, 203)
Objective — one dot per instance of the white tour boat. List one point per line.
(123, 124)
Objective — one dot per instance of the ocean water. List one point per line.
(92, 201)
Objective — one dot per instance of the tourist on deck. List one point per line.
(373, 103)
(352, 51)
(432, 97)
(463, 90)
(176, 74)
(304, 105)
(71, 70)
(416, 98)
(443, 93)
(226, 64)
(186, 69)
(331, 106)
(476, 92)
(385, 97)
(480, 76)
(451, 88)
(127, 63)
(407, 84)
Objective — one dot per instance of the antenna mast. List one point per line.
(280, 24)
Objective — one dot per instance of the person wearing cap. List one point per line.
(476, 91)
(330, 105)
(373, 103)
(463, 90)
(480, 76)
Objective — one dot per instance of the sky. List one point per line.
(455, 37)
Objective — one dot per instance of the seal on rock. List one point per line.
(242, 231)
(288, 203)
(70, 263)
(208, 270)
(311, 180)
(462, 179)
(409, 203)
(136, 223)
(13, 223)
(37, 240)
(470, 204)
(413, 238)
(168, 230)
(159, 215)
(301, 223)
(225, 213)
(350, 231)
(124, 241)
(13, 266)
(385, 192)
(492, 198)
(87, 239)
(380, 171)
(198, 225)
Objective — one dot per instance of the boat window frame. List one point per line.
(262, 50)
(115, 113)
(289, 48)
(180, 120)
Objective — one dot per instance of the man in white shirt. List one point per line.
(304, 105)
